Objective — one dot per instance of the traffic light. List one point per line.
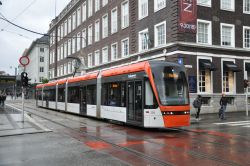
(245, 83)
(24, 79)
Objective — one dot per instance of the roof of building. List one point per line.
(42, 40)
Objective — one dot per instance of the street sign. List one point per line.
(24, 61)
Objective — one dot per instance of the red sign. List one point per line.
(188, 16)
(24, 61)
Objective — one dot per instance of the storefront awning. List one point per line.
(247, 66)
(206, 64)
(230, 66)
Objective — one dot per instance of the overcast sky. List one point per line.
(32, 14)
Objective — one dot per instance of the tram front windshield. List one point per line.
(171, 84)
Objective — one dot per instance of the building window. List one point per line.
(204, 33)
(58, 33)
(226, 81)
(41, 69)
(205, 68)
(69, 47)
(84, 39)
(143, 9)
(69, 67)
(62, 31)
(97, 58)
(90, 8)
(90, 60)
(78, 45)
(62, 53)
(73, 44)
(58, 54)
(90, 34)
(84, 9)
(246, 38)
(105, 55)
(69, 24)
(41, 59)
(160, 34)
(227, 35)
(65, 28)
(97, 30)
(65, 69)
(105, 26)
(143, 40)
(104, 2)
(65, 49)
(246, 6)
(159, 4)
(204, 2)
(78, 16)
(125, 14)
(227, 5)
(114, 21)
(125, 47)
(40, 79)
(114, 51)
(41, 49)
(97, 5)
(74, 21)
(62, 71)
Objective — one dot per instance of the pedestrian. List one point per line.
(223, 104)
(4, 96)
(197, 104)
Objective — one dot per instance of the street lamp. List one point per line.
(77, 64)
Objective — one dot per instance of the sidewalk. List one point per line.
(11, 123)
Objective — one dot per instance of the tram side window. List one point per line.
(91, 94)
(150, 101)
(39, 95)
(61, 94)
(74, 95)
(114, 94)
(46, 95)
(52, 95)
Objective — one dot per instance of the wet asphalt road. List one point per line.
(83, 141)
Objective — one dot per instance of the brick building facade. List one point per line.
(106, 33)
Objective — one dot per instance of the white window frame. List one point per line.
(97, 5)
(232, 35)
(90, 8)
(114, 20)
(112, 52)
(90, 34)
(244, 7)
(105, 48)
(69, 47)
(122, 47)
(69, 24)
(206, 3)
(105, 30)
(156, 34)
(232, 7)
(123, 25)
(74, 21)
(156, 9)
(140, 9)
(90, 60)
(198, 74)
(73, 44)
(78, 42)
(140, 39)
(97, 60)
(65, 27)
(244, 44)
(234, 90)
(79, 13)
(84, 38)
(65, 49)
(104, 2)
(209, 31)
(97, 30)
(84, 11)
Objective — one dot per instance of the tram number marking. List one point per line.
(132, 76)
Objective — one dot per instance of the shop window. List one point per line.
(230, 100)
(74, 94)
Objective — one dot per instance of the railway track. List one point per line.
(135, 152)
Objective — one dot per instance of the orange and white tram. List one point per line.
(148, 94)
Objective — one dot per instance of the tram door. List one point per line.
(83, 101)
(134, 102)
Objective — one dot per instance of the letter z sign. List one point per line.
(188, 16)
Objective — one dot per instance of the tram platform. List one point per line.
(11, 123)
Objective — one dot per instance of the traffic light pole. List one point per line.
(23, 103)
